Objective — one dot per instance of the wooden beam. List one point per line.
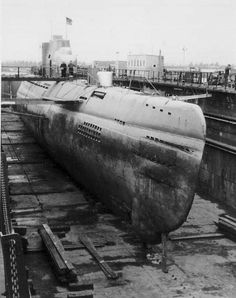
(110, 274)
(197, 237)
(64, 268)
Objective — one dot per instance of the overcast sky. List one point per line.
(206, 29)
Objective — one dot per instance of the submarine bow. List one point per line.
(139, 154)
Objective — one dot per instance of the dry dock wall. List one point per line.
(217, 177)
(221, 103)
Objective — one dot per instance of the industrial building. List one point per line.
(149, 66)
(109, 64)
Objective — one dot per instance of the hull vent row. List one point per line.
(120, 121)
(93, 126)
(90, 131)
(183, 148)
(83, 97)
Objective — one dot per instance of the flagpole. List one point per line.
(66, 30)
(51, 27)
(68, 22)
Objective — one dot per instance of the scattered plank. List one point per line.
(109, 273)
(227, 224)
(197, 237)
(228, 217)
(25, 211)
(80, 245)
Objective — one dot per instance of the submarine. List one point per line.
(139, 154)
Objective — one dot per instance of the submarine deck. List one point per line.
(41, 192)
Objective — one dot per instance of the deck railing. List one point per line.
(39, 71)
(176, 77)
(180, 77)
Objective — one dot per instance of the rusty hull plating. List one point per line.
(139, 154)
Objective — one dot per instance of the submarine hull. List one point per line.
(134, 171)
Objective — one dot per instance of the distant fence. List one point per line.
(16, 71)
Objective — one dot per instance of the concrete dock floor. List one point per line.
(41, 192)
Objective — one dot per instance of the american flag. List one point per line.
(68, 21)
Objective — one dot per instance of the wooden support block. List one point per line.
(79, 295)
(60, 228)
(80, 286)
(20, 230)
(60, 234)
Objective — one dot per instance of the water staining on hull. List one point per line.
(142, 162)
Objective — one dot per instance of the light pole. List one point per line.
(117, 64)
(184, 52)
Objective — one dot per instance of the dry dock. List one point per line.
(42, 193)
